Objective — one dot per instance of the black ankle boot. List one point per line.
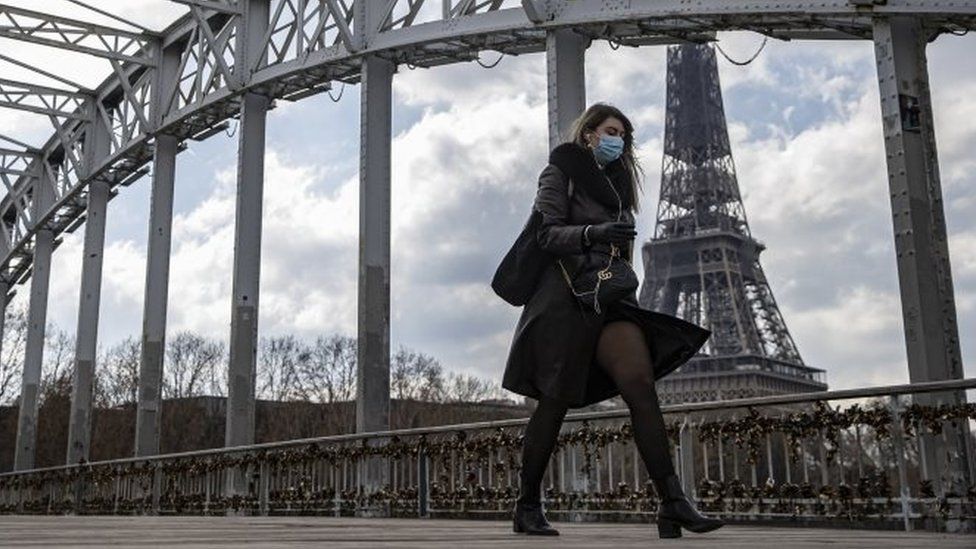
(677, 511)
(530, 519)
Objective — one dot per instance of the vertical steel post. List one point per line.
(96, 147)
(721, 459)
(149, 395)
(918, 219)
(565, 70)
(157, 487)
(79, 427)
(373, 362)
(247, 263)
(5, 294)
(787, 458)
(156, 290)
(898, 445)
(705, 459)
(43, 198)
(423, 485)
(824, 473)
(242, 362)
(265, 473)
(562, 470)
(687, 438)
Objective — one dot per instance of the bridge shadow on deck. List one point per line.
(199, 532)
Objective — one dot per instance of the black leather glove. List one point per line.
(617, 232)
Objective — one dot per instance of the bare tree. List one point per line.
(117, 378)
(58, 362)
(12, 359)
(191, 364)
(280, 364)
(416, 376)
(469, 388)
(330, 373)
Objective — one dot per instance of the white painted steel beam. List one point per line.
(247, 262)
(148, 407)
(247, 242)
(80, 421)
(26, 443)
(921, 245)
(156, 290)
(86, 334)
(566, 79)
(373, 286)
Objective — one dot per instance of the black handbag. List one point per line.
(603, 277)
(518, 273)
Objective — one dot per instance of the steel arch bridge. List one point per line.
(233, 58)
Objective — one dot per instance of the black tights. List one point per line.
(622, 351)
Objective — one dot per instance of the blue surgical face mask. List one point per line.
(609, 148)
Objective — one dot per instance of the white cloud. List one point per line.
(308, 262)
(962, 249)
(463, 182)
(308, 254)
(852, 337)
(823, 173)
(468, 83)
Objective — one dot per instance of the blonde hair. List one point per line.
(590, 120)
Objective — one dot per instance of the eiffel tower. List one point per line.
(702, 263)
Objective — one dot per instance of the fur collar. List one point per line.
(579, 164)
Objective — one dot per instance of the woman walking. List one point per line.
(566, 355)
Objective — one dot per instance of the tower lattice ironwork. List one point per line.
(702, 263)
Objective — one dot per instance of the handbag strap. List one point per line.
(601, 275)
(614, 251)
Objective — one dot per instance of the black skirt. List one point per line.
(671, 340)
(553, 351)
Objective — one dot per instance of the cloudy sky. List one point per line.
(468, 144)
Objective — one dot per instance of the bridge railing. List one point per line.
(782, 458)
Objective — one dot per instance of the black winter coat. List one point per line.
(553, 348)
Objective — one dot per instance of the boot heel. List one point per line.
(517, 527)
(668, 528)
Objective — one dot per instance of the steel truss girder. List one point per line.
(303, 62)
(283, 25)
(72, 34)
(55, 102)
(16, 163)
